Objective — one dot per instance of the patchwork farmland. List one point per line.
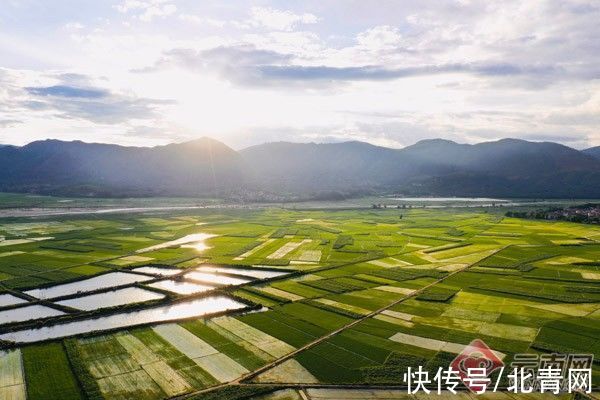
(282, 304)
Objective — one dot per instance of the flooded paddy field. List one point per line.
(182, 310)
(213, 278)
(253, 273)
(114, 298)
(28, 312)
(181, 287)
(112, 279)
(158, 271)
(159, 304)
(9, 300)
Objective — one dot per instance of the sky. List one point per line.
(151, 72)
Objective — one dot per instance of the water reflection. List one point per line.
(158, 271)
(181, 287)
(26, 313)
(214, 278)
(111, 299)
(194, 241)
(9, 300)
(188, 309)
(109, 280)
(198, 246)
(255, 273)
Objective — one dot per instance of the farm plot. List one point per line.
(389, 262)
(431, 344)
(27, 313)
(279, 293)
(346, 264)
(181, 287)
(344, 306)
(255, 337)
(294, 286)
(48, 373)
(338, 285)
(313, 256)
(462, 251)
(396, 318)
(287, 248)
(12, 382)
(130, 260)
(158, 271)
(224, 344)
(293, 331)
(218, 365)
(136, 384)
(109, 280)
(116, 373)
(254, 250)
(167, 378)
(215, 279)
(10, 300)
(195, 241)
(184, 366)
(287, 372)
(111, 299)
(249, 272)
(395, 289)
(189, 308)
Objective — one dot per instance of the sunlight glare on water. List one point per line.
(181, 287)
(194, 241)
(255, 273)
(210, 277)
(186, 309)
(198, 246)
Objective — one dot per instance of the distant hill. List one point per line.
(593, 151)
(206, 167)
(508, 167)
(311, 166)
(201, 167)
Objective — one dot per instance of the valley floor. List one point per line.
(333, 304)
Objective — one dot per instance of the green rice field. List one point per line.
(343, 297)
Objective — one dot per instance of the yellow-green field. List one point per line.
(366, 294)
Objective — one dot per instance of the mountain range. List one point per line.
(593, 151)
(282, 170)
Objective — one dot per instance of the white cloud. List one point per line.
(129, 5)
(74, 26)
(380, 38)
(158, 11)
(395, 72)
(196, 19)
(148, 10)
(6, 123)
(66, 96)
(280, 20)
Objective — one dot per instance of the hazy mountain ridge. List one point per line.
(593, 151)
(508, 167)
(206, 167)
